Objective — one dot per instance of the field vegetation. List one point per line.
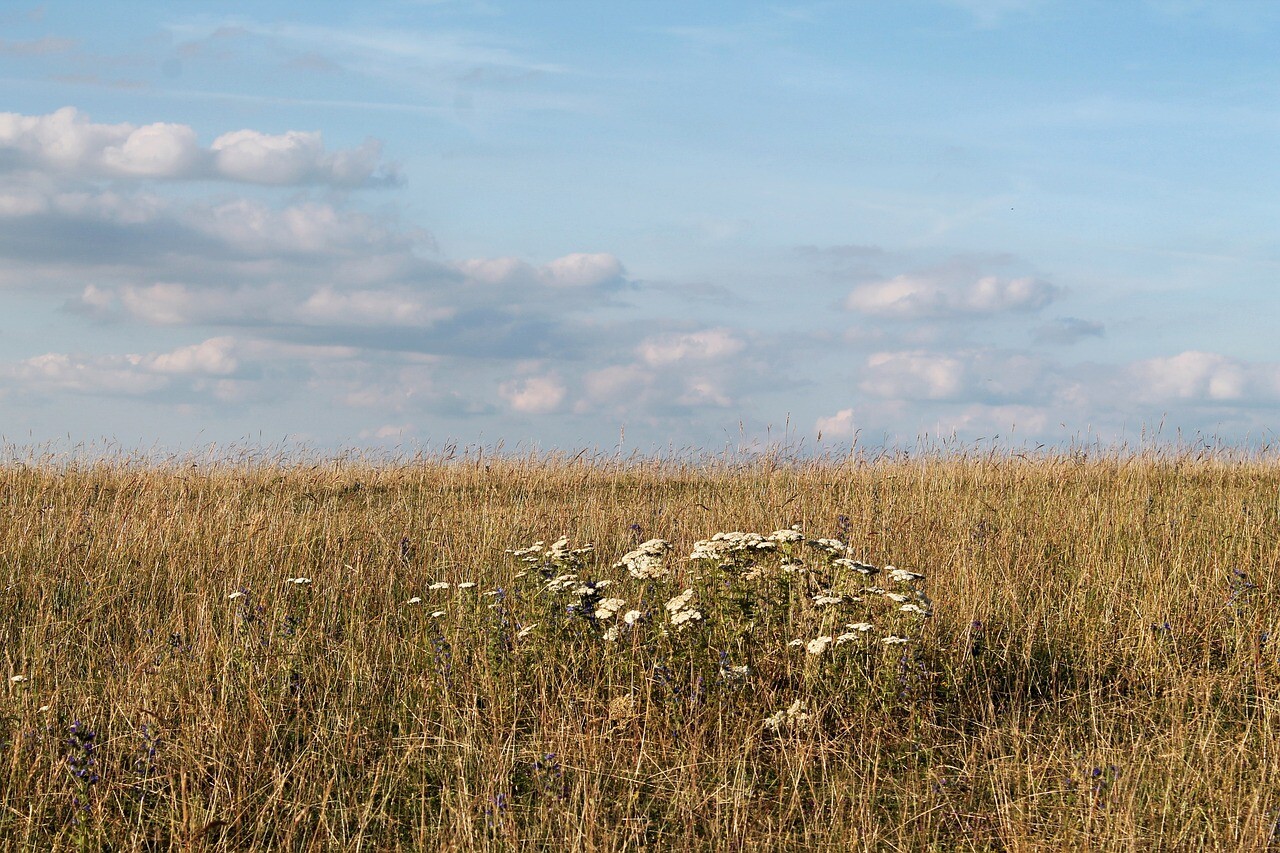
(950, 651)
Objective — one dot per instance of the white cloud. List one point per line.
(914, 375)
(67, 143)
(1196, 375)
(839, 425)
(579, 270)
(705, 345)
(582, 270)
(536, 395)
(922, 297)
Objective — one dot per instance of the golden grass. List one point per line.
(1096, 674)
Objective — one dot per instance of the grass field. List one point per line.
(264, 657)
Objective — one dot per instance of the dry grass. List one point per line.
(1100, 671)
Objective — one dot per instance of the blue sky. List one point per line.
(409, 223)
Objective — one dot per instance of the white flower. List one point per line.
(237, 594)
(794, 715)
(417, 599)
(646, 560)
(795, 643)
(610, 635)
(43, 708)
(824, 600)
(895, 641)
(684, 618)
(436, 614)
(299, 581)
(831, 546)
(466, 585)
(847, 636)
(18, 679)
(786, 536)
(902, 575)
(607, 608)
(526, 631)
(856, 565)
(817, 645)
(439, 585)
(896, 597)
(631, 617)
(914, 608)
(859, 626)
(680, 602)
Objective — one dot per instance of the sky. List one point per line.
(562, 225)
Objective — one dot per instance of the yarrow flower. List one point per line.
(631, 617)
(787, 536)
(439, 585)
(18, 679)
(818, 645)
(682, 615)
(902, 575)
(417, 599)
(436, 614)
(646, 560)
(607, 608)
(239, 593)
(895, 641)
(824, 600)
(299, 581)
(793, 716)
(466, 585)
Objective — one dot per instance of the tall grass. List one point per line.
(1100, 669)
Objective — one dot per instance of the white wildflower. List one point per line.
(818, 645)
(895, 597)
(793, 715)
(684, 618)
(610, 635)
(824, 600)
(526, 631)
(18, 679)
(439, 585)
(299, 581)
(436, 614)
(833, 547)
(43, 708)
(859, 626)
(466, 585)
(914, 608)
(902, 575)
(680, 602)
(607, 608)
(631, 617)
(848, 636)
(417, 599)
(795, 643)
(239, 593)
(856, 565)
(646, 559)
(787, 536)
(895, 641)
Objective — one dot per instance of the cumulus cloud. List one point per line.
(535, 395)
(576, 271)
(839, 425)
(912, 297)
(67, 143)
(705, 345)
(971, 374)
(1203, 376)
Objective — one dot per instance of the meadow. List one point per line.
(945, 651)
